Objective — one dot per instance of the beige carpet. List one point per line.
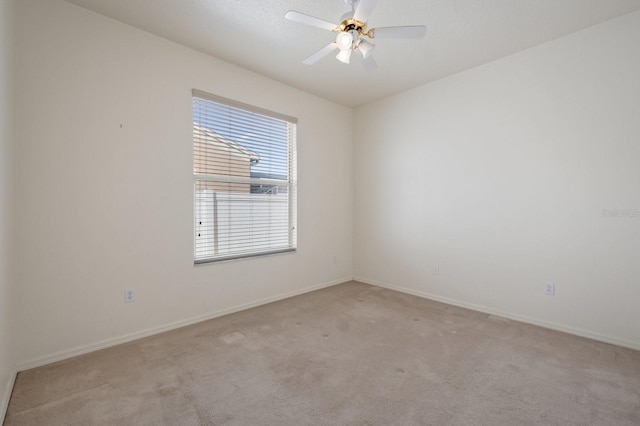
(352, 354)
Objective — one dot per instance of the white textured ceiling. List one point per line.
(461, 34)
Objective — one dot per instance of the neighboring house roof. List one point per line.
(204, 134)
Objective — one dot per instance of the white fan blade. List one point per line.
(364, 9)
(320, 54)
(292, 15)
(369, 64)
(413, 31)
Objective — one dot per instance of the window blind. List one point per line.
(244, 180)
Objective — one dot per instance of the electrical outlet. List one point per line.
(436, 270)
(549, 288)
(129, 295)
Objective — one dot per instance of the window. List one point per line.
(244, 180)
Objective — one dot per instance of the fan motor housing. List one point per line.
(351, 24)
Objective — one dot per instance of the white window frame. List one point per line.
(290, 183)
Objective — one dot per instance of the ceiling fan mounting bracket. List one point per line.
(351, 3)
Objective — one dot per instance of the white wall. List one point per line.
(7, 362)
(500, 175)
(104, 175)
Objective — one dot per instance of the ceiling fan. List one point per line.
(353, 33)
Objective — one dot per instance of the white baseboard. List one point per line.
(80, 350)
(521, 318)
(6, 396)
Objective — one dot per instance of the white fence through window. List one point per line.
(229, 224)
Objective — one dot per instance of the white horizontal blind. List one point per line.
(244, 180)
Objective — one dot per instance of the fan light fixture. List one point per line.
(344, 55)
(344, 40)
(365, 47)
